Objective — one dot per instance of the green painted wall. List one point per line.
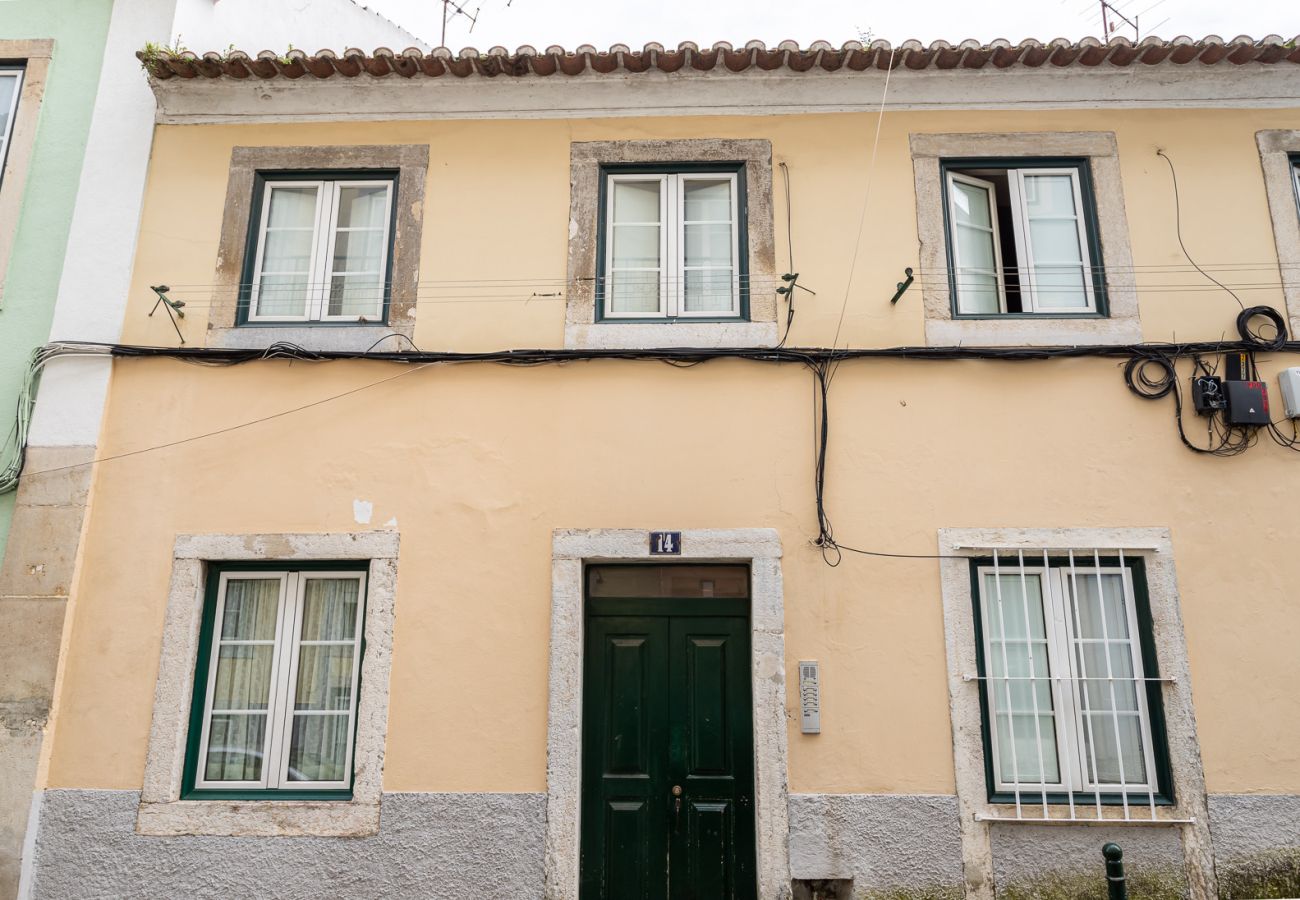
(79, 29)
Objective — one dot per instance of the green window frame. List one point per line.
(674, 269)
(1025, 286)
(326, 233)
(1080, 717)
(299, 612)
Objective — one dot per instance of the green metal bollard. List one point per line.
(1116, 886)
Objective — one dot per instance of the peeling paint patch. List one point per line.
(391, 523)
(362, 510)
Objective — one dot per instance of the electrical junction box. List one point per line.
(1247, 403)
(1207, 394)
(1289, 381)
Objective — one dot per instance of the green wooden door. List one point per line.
(668, 755)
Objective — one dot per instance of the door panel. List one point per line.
(625, 721)
(667, 703)
(711, 709)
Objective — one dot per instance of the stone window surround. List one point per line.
(571, 549)
(1121, 325)
(1154, 546)
(411, 161)
(162, 812)
(1275, 149)
(35, 56)
(583, 331)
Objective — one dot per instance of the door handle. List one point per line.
(677, 804)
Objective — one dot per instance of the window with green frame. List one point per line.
(276, 681)
(1071, 695)
(1022, 238)
(320, 248)
(672, 243)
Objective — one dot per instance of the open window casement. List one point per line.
(671, 246)
(1019, 242)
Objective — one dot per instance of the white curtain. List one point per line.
(357, 268)
(636, 266)
(323, 697)
(286, 273)
(1019, 686)
(707, 227)
(1103, 649)
(242, 689)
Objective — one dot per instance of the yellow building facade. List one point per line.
(975, 440)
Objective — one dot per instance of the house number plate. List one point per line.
(665, 543)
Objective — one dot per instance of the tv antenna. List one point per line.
(450, 10)
(1113, 15)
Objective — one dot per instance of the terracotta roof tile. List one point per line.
(1088, 53)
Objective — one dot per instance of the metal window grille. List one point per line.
(1070, 725)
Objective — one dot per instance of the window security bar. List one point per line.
(1068, 705)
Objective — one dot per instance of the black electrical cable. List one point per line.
(1150, 372)
(1250, 336)
(1178, 229)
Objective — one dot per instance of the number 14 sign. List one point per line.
(665, 543)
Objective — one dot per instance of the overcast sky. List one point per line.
(569, 23)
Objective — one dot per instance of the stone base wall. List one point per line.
(1256, 844)
(453, 846)
(490, 847)
(890, 845)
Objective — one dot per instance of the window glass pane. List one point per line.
(707, 201)
(282, 295)
(711, 290)
(977, 292)
(1061, 287)
(636, 201)
(243, 676)
(975, 250)
(1012, 600)
(1101, 608)
(971, 204)
(235, 745)
(8, 84)
(1056, 242)
(251, 608)
(1098, 687)
(330, 609)
(318, 747)
(1029, 758)
(1110, 739)
(648, 582)
(635, 246)
(363, 207)
(324, 676)
(292, 207)
(358, 251)
(1049, 195)
(356, 295)
(634, 292)
(287, 251)
(708, 245)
